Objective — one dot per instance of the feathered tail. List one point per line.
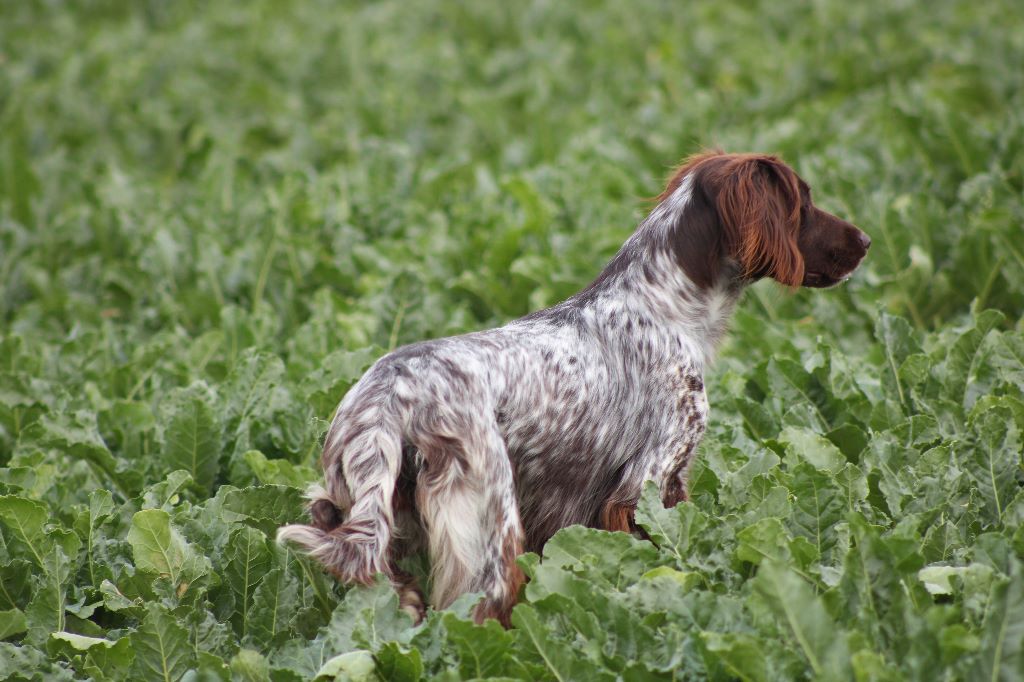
(362, 459)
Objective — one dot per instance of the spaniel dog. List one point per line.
(482, 446)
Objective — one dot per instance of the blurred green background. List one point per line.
(469, 162)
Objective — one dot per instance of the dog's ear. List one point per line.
(758, 203)
(697, 238)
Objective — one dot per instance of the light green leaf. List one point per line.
(740, 653)
(766, 539)
(12, 622)
(248, 558)
(159, 547)
(400, 665)
(191, 438)
(805, 445)
(559, 659)
(803, 621)
(993, 459)
(274, 603)
(25, 519)
(249, 666)
(353, 666)
(1002, 641)
(674, 530)
(161, 646)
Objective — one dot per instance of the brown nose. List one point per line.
(865, 240)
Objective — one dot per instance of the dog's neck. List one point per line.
(644, 288)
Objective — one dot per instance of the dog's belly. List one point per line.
(566, 469)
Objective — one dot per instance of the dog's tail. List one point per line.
(362, 460)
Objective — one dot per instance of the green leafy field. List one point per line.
(214, 216)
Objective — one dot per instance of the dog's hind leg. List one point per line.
(466, 499)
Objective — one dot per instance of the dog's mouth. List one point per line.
(821, 280)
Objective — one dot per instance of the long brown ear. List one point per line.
(759, 205)
(697, 239)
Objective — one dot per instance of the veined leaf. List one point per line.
(247, 561)
(559, 659)
(394, 663)
(366, 618)
(740, 653)
(1002, 644)
(12, 622)
(819, 505)
(802, 620)
(25, 519)
(159, 547)
(111, 659)
(994, 458)
(674, 530)
(274, 603)
(161, 646)
(191, 438)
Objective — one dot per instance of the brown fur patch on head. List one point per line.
(756, 200)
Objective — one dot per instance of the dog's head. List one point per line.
(752, 213)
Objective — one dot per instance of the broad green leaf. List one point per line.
(247, 559)
(161, 646)
(274, 603)
(45, 612)
(25, 520)
(166, 494)
(963, 355)
(267, 506)
(101, 508)
(16, 660)
(77, 434)
(802, 620)
(94, 654)
(937, 579)
(807, 446)
(1002, 642)
(739, 653)
(353, 666)
(191, 438)
(482, 650)
(898, 343)
(686, 580)
(612, 559)
(366, 618)
(766, 539)
(279, 471)
(674, 530)
(818, 506)
(15, 577)
(12, 622)
(559, 659)
(252, 382)
(159, 547)
(993, 458)
(394, 663)
(878, 586)
(250, 666)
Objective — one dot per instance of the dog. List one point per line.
(483, 445)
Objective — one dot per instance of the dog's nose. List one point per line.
(865, 240)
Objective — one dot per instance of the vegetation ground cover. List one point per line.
(215, 216)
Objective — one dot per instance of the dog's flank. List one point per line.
(481, 446)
